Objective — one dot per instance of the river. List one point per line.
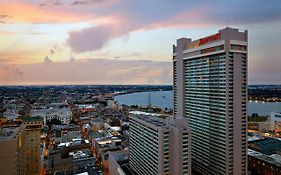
(164, 99)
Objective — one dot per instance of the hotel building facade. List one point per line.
(159, 146)
(210, 90)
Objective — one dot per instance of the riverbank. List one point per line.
(138, 91)
(164, 99)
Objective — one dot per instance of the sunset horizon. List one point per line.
(124, 42)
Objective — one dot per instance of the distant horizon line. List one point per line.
(117, 85)
(91, 85)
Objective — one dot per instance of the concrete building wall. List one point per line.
(12, 154)
(113, 167)
(179, 76)
(180, 151)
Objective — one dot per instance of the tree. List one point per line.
(53, 121)
(72, 121)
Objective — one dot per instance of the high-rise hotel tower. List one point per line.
(210, 90)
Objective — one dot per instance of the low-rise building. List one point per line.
(82, 160)
(118, 163)
(105, 141)
(68, 157)
(265, 126)
(67, 136)
(62, 114)
(275, 119)
(272, 124)
(261, 164)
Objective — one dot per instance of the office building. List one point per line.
(13, 159)
(210, 90)
(32, 142)
(159, 146)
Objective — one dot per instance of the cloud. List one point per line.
(52, 51)
(47, 60)
(111, 19)
(145, 12)
(72, 59)
(94, 38)
(142, 15)
(10, 73)
(75, 2)
(27, 12)
(36, 33)
(86, 2)
(137, 16)
(51, 3)
(4, 16)
(90, 71)
(19, 72)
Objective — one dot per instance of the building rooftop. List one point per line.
(80, 154)
(156, 120)
(32, 119)
(62, 112)
(86, 106)
(151, 118)
(273, 159)
(9, 133)
(74, 142)
(120, 155)
(85, 173)
(254, 137)
(267, 146)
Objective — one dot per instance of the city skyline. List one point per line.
(124, 42)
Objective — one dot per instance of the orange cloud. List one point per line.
(32, 13)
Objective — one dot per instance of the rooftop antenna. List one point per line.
(149, 100)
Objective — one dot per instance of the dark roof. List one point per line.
(32, 119)
(267, 146)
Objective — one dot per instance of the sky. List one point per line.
(53, 42)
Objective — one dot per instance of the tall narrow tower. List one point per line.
(210, 90)
(149, 100)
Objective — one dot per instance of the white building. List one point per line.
(275, 119)
(265, 126)
(62, 114)
(111, 104)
